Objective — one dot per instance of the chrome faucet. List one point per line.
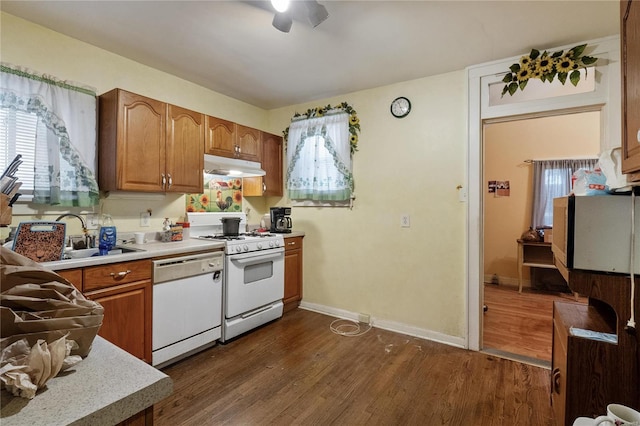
(89, 242)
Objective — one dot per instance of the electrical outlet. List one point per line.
(93, 221)
(405, 220)
(364, 318)
(145, 219)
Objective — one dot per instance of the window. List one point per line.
(51, 124)
(552, 179)
(319, 162)
(22, 128)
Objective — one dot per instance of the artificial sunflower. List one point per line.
(564, 64)
(524, 74)
(353, 120)
(546, 66)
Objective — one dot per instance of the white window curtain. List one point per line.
(319, 159)
(64, 145)
(552, 179)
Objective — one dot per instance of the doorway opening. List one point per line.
(519, 324)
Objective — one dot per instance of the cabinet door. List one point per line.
(127, 317)
(248, 140)
(272, 164)
(630, 39)
(220, 137)
(140, 143)
(184, 147)
(271, 183)
(292, 273)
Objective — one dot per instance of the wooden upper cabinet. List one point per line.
(185, 143)
(148, 146)
(220, 137)
(249, 143)
(270, 184)
(630, 48)
(272, 163)
(131, 142)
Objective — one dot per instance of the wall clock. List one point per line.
(400, 107)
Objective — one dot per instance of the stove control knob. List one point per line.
(259, 246)
(277, 243)
(245, 247)
(238, 249)
(271, 244)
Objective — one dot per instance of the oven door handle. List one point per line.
(257, 257)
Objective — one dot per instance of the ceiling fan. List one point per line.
(282, 20)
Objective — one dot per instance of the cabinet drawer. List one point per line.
(292, 243)
(115, 274)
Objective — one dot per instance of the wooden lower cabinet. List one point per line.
(124, 290)
(127, 315)
(292, 273)
(588, 373)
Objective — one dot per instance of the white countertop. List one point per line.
(105, 388)
(148, 250)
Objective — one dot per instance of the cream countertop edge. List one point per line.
(149, 250)
(294, 234)
(105, 388)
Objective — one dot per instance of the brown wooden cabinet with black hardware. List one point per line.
(146, 145)
(630, 64)
(292, 273)
(271, 183)
(587, 374)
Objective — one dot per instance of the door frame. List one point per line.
(606, 96)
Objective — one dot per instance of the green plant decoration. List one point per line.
(354, 122)
(545, 66)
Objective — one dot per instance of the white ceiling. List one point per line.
(231, 47)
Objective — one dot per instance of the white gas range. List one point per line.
(253, 281)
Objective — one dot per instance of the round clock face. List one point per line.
(400, 107)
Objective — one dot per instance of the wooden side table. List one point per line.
(535, 254)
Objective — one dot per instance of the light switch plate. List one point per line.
(145, 219)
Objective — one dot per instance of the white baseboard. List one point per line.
(388, 325)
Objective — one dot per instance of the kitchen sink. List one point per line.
(82, 253)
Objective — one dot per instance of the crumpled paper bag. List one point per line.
(24, 370)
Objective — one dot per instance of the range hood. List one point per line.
(231, 166)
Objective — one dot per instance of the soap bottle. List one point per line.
(107, 237)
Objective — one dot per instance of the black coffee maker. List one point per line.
(280, 220)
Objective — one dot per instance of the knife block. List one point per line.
(5, 210)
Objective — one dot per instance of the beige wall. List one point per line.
(359, 260)
(506, 146)
(28, 45)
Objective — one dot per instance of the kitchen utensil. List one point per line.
(230, 225)
(40, 241)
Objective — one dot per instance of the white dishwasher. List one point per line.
(187, 305)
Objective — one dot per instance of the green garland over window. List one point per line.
(546, 66)
(354, 122)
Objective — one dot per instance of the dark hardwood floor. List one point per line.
(521, 323)
(296, 371)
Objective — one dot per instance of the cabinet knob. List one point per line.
(292, 243)
(170, 180)
(264, 187)
(164, 179)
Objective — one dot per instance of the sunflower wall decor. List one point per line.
(221, 194)
(354, 121)
(546, 66)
